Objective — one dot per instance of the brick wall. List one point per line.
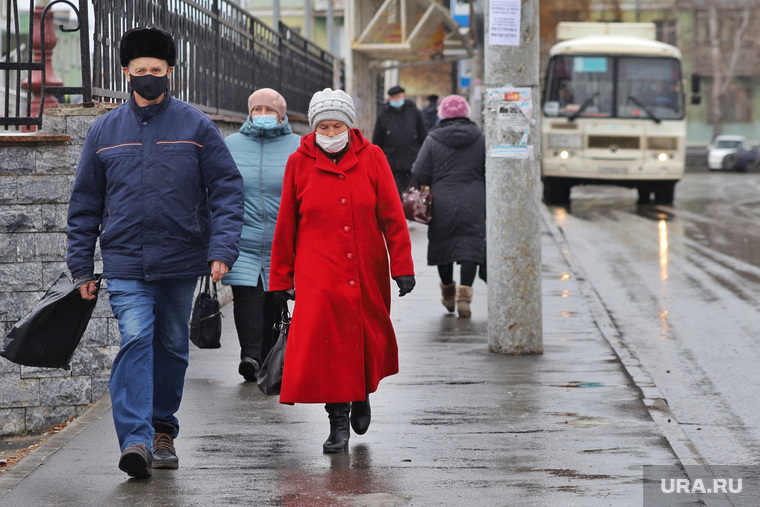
(36, 176)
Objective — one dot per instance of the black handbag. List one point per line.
(418, 204)
(270, 373)
(206, 320)
(49, 334)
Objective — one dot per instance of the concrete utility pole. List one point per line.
(276, 15)
(358, 75)
(330, 28)
(307, 20)
(513, 176)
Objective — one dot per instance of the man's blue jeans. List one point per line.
(148, 373)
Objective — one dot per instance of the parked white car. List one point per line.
(722, 146)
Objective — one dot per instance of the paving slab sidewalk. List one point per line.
(457, 426)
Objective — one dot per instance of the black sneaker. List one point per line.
(249, 369)
(136, 461)
(164, 455)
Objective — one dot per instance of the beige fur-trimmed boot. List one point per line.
(464, 298)
(448, 295)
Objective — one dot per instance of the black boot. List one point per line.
(338, 439)
(361, 415)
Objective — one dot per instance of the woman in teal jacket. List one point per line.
(260, 149)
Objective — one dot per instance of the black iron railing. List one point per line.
(306, 69)
(23, 67)
(223, 54)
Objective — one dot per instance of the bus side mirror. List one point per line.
(696, 98)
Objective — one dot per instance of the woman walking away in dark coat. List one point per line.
(452, 161)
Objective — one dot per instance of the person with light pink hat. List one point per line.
(452, 161)
(260, 149)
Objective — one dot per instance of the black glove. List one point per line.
(283, 296)
(405, 284)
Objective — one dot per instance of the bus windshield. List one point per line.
(599, 86)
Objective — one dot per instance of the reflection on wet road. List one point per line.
(682, 283)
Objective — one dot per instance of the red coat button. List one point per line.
(352, 283)
(349, 256)
(346, 229)
(344, 201)
(341, 177)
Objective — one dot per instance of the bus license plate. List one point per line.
(613, 170)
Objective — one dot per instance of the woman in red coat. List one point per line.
(340, 221)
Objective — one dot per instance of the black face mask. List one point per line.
(149, 87)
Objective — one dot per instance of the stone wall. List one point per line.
(36, 175)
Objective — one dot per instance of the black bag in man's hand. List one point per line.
(48, 335)
(270, 373)
(206, 321)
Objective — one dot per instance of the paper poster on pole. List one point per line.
(504, 22)
(514, 114)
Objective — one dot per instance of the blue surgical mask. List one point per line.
(265, 121)
(397, 103)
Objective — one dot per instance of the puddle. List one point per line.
(578, 383)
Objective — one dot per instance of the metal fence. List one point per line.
(223, 54)
(22, 66)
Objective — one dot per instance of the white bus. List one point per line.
(613, 112)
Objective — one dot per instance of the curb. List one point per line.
(36, 457)
(653, 399)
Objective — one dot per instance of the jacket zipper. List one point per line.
(263, 209)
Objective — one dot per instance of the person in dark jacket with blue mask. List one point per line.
(261, 149)
(399, 132)
(158, 187)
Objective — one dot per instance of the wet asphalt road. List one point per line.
(682, 284)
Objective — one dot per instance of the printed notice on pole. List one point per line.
(504, 21)
(514, 114)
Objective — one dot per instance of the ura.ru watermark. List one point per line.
(700, 486)
(666, 485)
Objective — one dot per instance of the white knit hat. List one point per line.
(331, 105)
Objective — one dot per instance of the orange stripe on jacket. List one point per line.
(118, 145)
(180, 142)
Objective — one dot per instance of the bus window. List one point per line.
(649, 87)
(580, 86)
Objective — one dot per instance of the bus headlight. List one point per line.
(662, 157)
(564, 154)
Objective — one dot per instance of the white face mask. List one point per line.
(333, 144)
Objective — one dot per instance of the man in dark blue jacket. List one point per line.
(399, 132)
(159, 188)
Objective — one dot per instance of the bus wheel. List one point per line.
(664, 193)
(645, 194)
(556, 192)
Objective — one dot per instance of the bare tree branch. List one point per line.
(735, 51)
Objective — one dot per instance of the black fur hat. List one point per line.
(147, 42)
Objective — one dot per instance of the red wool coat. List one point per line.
(336, 228)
